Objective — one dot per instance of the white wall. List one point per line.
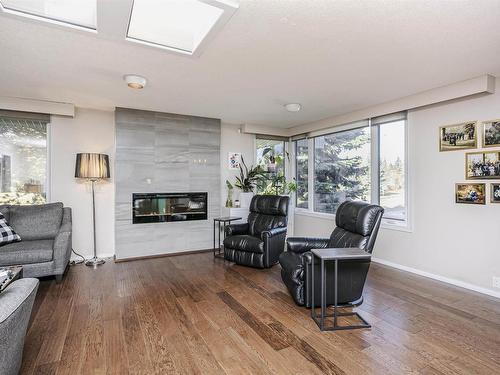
(452, 241)
(234, 141)
(89, 131)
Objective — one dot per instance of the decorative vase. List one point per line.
(229, 200)
(246, 198)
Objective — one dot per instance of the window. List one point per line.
(271, 158)
(23, 160)
(80, 13)
(301, 173)
(366, 160)
(178, 25)
(341, 168)
(392, 170)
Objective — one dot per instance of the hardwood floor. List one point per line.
(195, 315)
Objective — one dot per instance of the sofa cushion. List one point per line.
(7, 234)
(37, 222)
(4, 210)
(26, 252)
(244, 243)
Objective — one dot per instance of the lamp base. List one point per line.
(94, 262)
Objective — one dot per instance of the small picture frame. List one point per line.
(470, 193)
(482, 165)
(233, 160)
(491, 133)
(455, 137)
(495, 193)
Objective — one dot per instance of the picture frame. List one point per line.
(491, 133)
(454, 137)
(495, 193)
(233, 160)
(482, 165)
(470, 193)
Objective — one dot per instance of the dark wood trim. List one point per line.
(165, 255)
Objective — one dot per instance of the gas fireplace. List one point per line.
(167, 207)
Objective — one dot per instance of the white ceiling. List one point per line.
(331, 56)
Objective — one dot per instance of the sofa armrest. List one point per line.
(236, 229)
(300, 245)
(62, 242)
(16, 303)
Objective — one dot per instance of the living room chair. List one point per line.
(16, 302)
(259, 242)
(45, 246)
(357, 225)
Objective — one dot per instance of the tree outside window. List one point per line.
(23, 161)
(341, 168)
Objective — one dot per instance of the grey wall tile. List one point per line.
(162, 152)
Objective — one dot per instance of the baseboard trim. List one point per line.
(444, 279)
(164, 255)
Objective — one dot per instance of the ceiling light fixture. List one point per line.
(135, 81)
(293, 107)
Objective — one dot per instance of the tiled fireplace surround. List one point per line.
(164, 153)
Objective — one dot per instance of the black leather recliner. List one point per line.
(357, 225)
(260, 241)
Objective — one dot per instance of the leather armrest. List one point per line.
(302, 244)
(235, 229)
(272, 232)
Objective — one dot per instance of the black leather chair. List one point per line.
(260, 241)
(357, 225)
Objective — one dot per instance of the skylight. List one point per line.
(180, 25)
(81, 13)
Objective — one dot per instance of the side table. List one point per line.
(224, 220)
(326, 255)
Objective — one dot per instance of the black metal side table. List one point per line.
(224, 220)
(325, 255)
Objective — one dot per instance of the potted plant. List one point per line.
(247, 181)
(230, 188)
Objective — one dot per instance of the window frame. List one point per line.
(286, 151)
(386, 223)
(293, 168)
(48, 155)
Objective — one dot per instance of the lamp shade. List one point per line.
(92, 166)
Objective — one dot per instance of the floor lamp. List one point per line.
(93, 168)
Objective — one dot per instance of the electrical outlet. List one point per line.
(496, 282)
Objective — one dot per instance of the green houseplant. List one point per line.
(248, 178)
(247, 181)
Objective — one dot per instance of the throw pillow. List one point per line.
(7, 234)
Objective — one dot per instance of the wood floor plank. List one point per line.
(192, 314)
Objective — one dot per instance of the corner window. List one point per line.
(23, 160)
(271, 158)
(366, 160)
(341, 168)
(392, 161)
(302, 173)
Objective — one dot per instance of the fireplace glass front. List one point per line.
(165, 207)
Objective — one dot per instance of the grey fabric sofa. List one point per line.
(16, 302)
(45, 246)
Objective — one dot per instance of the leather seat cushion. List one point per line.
(26, 252)
(246, 243)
